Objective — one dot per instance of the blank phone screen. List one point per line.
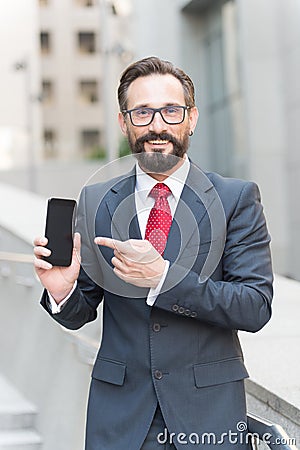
(59, 231)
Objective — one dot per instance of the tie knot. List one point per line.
(160, 190)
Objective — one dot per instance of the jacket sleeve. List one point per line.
(81, 307)
(241, 297)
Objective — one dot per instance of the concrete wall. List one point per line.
(38, 359)
(289, 26)
(36, 355)
(155, 29)
(265, 115)
(62, 179)
(268, 111)
(65, 179)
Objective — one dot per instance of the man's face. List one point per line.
(158, 146)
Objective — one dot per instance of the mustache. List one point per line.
(153, 137)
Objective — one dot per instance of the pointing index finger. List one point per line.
(108, 242)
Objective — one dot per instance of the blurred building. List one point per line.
(81, 53)
(244, 59)
(19, 84)
(59, 69)
(70, 77)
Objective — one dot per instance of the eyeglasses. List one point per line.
(172, 115)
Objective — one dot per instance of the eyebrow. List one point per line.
(145, 105)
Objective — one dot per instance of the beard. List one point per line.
(157, 161)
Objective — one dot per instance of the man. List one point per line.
(182, 261)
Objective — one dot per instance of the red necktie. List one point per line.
(160, 218)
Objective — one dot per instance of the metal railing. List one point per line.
(16, 257)
(270, 434)
(85, 346)
(9, 260)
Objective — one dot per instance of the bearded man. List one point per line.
(181, 260)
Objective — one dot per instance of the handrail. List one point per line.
(16, 257)
(270, 433)
(86, 347)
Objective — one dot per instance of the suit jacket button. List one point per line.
(156, 327)
(175, 308)
(187, 312)
(181, 310)
(158, 374)
(193, 314)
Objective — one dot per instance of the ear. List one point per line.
(193, 118)
(122, 123)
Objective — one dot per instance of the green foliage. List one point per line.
(97, 152)
(124, 148)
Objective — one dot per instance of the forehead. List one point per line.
(154, 91)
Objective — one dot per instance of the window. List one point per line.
(45, 42)
(86, 3)
(50, 147)
(224, 100)
(47, 91)
(88, 91)
(90, 143)
(87, 42)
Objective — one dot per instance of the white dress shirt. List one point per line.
(144, 203)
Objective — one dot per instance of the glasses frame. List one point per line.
(154, 111)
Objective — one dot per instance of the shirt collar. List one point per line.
(175, 182)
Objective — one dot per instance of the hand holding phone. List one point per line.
(60, 230)
(59, 270)
(58, 281)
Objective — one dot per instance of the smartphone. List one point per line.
(60, 230)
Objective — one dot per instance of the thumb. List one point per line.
(77, 245)
(77, 241)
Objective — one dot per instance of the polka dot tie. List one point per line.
(160, 218)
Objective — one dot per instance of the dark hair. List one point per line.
(149, 66)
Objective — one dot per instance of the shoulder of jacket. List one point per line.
(232, 188)
(106, 186)
(221, 182)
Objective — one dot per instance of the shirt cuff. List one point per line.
(56, 308)
(154, 292)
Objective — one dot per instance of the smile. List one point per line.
(158, 142)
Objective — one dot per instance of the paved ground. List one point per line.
(273, 355)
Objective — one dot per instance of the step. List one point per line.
(15, 411)
(20, 440)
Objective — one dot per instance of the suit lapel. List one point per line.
(121, 206)
(196, 199)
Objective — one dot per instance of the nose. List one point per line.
(158, 125)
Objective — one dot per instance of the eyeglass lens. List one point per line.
(170, 114)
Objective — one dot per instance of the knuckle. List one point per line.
(126, 270)
(129, 263)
